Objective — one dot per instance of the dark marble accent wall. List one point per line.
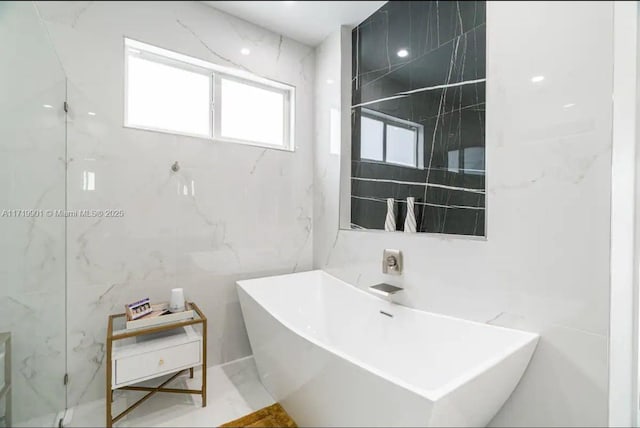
(420, 66)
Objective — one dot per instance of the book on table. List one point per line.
(160, 314)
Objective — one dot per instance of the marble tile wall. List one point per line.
(32, 244)
(545, 264)
(438, 84)
(232, 211)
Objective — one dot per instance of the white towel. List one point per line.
(390, 221)
(410, 219)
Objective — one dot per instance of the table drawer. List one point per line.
(154, 363)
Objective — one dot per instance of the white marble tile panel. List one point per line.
(247, 210)
(545, 262)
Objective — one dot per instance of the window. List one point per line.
(402, 145)
(384, 138)
(168, 98)
(266, 110)
(453, 164)
(474, 160)
(467, 161)
(170, 92)
(372, 139)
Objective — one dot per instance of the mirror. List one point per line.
(418, 119)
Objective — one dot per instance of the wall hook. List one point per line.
(175, 167)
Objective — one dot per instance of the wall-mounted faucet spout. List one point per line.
(385, 289)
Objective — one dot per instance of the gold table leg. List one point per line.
(146, 397)
(109, 392)
(204, 363)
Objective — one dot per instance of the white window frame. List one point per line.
(401, 123)
(161, 59)
(288, 111)
(215, 73)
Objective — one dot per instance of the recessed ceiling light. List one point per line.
(330, 81)
(47, 106)
(402, 53)
(245, 51)
(569, 105)
(91, 113)
(536, 79)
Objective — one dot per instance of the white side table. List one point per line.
(146, 353)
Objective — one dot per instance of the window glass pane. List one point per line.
(474, 160)
(371, 139)
(453, 161)
(401, 145)
(252, 114)
(168, 98)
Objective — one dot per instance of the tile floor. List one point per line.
(48, 420)
(233, 390)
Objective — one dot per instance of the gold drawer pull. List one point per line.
(161, 362)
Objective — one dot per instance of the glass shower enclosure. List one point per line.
(32, 222)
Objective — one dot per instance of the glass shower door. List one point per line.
(32, 225)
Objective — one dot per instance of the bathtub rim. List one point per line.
(433, 395)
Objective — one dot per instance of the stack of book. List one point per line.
(142, 314)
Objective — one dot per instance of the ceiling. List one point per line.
(308, 22)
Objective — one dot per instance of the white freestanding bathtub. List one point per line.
(326, 352)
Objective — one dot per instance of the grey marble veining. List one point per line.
(232, 211)
(544, 266)
(32, 177)
(429, 78)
